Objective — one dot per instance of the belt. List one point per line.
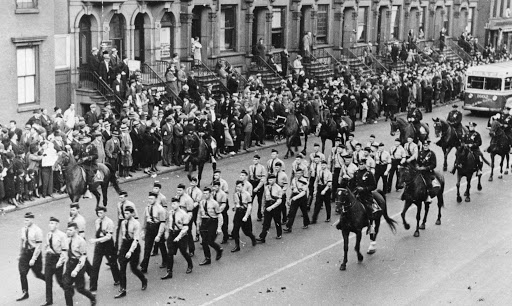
(53, 254)
(241, 208)
(382, 164)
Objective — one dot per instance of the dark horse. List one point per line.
(292, 130)
(500, 145)
(353, 218)
(197, 154)
(75, 178)
(416, 193)
(466, 164)
(449, 138)
(328, 129)
(344, 126)
(407, 129)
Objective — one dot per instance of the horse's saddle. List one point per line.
(100, 173)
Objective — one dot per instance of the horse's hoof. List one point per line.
(343, 267)
(479, 187)
(468, 199)
(500, 176)
(422, 226)
(490, 179)
(459, 199)
(438, 222)
(466, 193)
(371, 252)
(445, 168)
(506, 172)
(360, 257)
(407, 226)
(416, 234)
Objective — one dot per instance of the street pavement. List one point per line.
(464, 261)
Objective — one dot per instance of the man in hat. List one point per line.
(271, 163)
(121, 205)
(316, 151)
(364, 183)
(103, 247)
(179, 132)
(175, 233)
(56, 249)
(242, 219)
(210, 222)
(167, 139)
(75, 266)
(397, 154)
(473, 140)
(113, 150)
(129, 252)
(426, 164)
(100, 147)
(89, 160)
(94, 60)
(382, 166)
(153, 221)
(138, 143)
(323, 185)
(455, 119)
(257, 175)
(272, 198)
(30, 255)
(91, 116)
(335, 162)
(301, 163)
(126, 151)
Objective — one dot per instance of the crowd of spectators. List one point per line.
(147, 131)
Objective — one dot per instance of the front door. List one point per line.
(139, 38)
(84, 41)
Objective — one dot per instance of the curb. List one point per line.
(11, 208)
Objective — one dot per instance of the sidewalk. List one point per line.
(6, 208)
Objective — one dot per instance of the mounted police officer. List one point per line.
(473, 140)
(426, 164)
(415, 116)
(454, 119)
(89, 159)
(364, 182)
(204, 129)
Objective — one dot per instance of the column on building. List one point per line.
(186, 32)
(295, 30)
(406, 26)
(249, 19)
(213, 33)
(268, 29)
(337, 27)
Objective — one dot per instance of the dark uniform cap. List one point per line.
(74, 205)
(207, 189)
(153, 194)
(300, 155)
(473, 124)
(256, 156)
(271, 176)
(279, 164)
(193, 179)
(157, 184)
(323, 162)
(181, 186)
(175, 199)
(29, 215)
(244, 172)
(53, 219)
(426, 142)
(381, 144)
(274, 151)
(397, 139)
(102, 208)
(455, 106)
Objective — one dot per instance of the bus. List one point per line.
(488, 87)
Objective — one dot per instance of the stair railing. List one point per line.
(260, 60)
(351, 55)
(90, 79)
(203, 70)
(459, 51)
(150, 76)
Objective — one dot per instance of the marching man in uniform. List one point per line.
(298, 199)
(242, 220)
(272, 197)
(210, 225)
(323, 185)
(56, 248)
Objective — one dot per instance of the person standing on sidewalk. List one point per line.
(56, 248)
(30, 253)
(103, 247)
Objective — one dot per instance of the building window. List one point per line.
(27, 68)
(322, 24)
(277, 27)
(469, 25)
(62, 51)
(227, 28)
(362, 16)
(26, 4)
(421, 21)
(394, 25)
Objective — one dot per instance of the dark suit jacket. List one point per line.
(107, 76)
(167, 134)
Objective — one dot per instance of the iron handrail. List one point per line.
(422, 53)
(213, 74)
(90, 76)
(352, 55)
(161, 82)
(462, 54)
(267, 65)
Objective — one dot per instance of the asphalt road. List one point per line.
(464, 261)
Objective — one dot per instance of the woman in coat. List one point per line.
(126, 151)
(10, 191)
(196, 51)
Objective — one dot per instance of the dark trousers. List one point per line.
(322, 200)
(392, 110)
(335, 180)
(247, 140)
(173, 248)
(114, 162)
(105, 249)
(47, 179)
(225, 217)
(58, 181)
(118, 230)
(149, 240)
(268, 216)
(428, 105)
(311, 187)
(394, 169)
(238, 224)
(78, 280)
(294, 206)
(190, 236)
(133, 260)
(178, 150)
(282, 207)
(259, 195)
(167, 155)
(379, 173)
(237, 143)
(24, 267)
(49, 271)
(208, 231)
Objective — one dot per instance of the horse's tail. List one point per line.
(382, 193)
(113, 178)
(390, 221)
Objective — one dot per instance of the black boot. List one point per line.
(168, 275)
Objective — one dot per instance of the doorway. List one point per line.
(84, 40)
(139, 38)
(117, 33)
